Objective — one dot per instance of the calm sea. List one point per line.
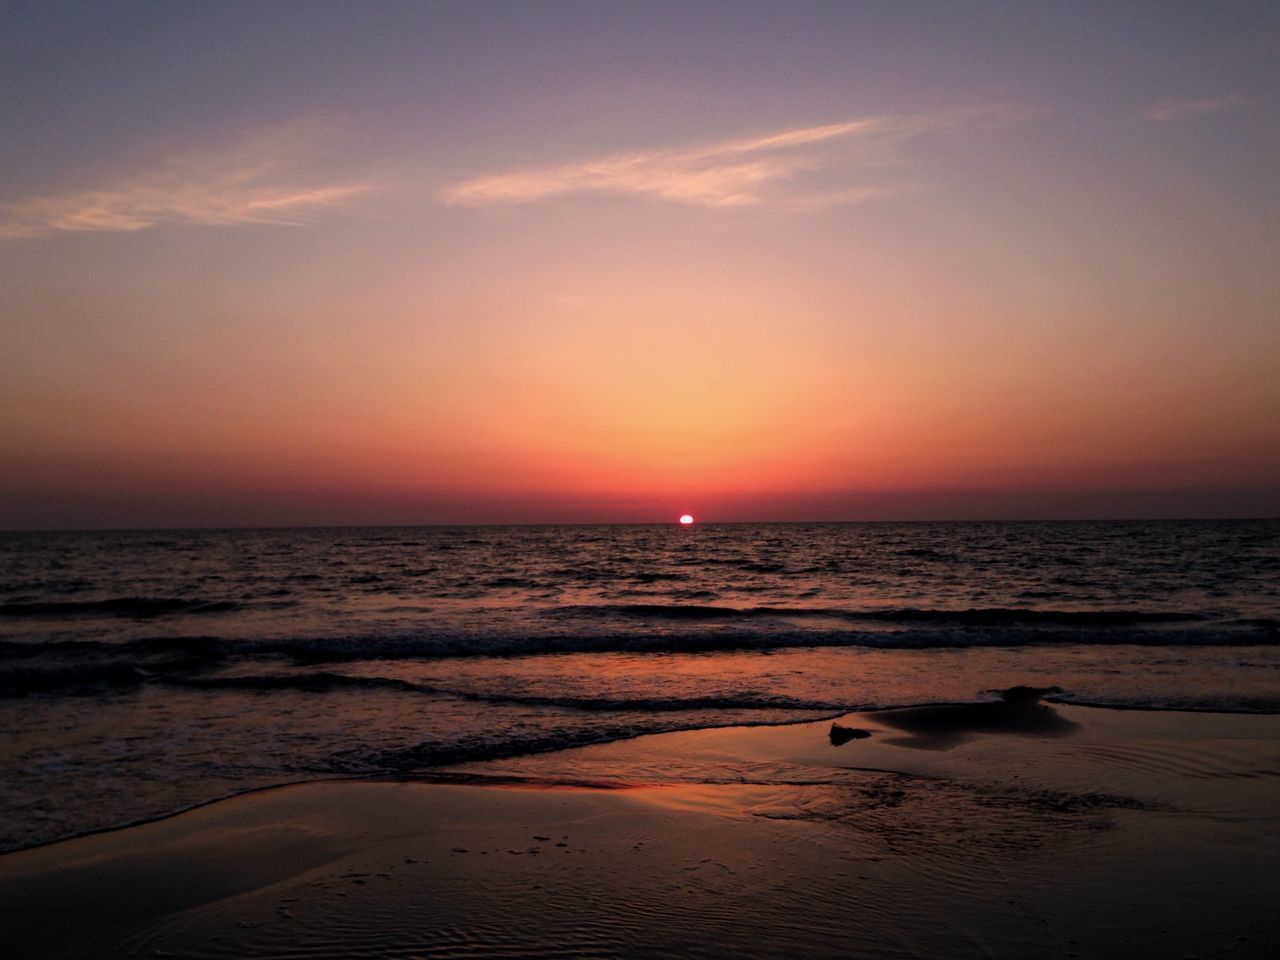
(144, 672)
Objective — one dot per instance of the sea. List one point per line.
(146, 672)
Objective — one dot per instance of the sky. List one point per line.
(349, 263)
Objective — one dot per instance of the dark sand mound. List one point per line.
(941, 727)
(840, 735)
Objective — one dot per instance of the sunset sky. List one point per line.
(485, 262)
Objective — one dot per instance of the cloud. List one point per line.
(252, 181)
(836, 198)
(735, 173)
(1181, 109)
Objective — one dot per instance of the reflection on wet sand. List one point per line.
(1004, 838)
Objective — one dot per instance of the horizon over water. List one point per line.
(145, 671)
(699, 521)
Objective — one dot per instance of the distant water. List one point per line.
(143, 672)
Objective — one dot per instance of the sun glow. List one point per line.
(686, 519)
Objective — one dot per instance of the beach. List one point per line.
(1000, 829)
(759, 740)
(639, 480)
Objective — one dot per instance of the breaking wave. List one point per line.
(117, 607)
(989, 617)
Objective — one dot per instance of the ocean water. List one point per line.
(146, 672)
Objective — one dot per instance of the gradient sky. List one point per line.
(398, 263)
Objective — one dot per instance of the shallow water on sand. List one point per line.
(1006, 829)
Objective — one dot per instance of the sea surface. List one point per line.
(145, 672)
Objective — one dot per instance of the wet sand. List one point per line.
(981, 830)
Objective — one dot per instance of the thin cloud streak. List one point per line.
(734, 173)
(836, 198)
(249, 183)
(1181, 109)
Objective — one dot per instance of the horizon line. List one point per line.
(1270, 518)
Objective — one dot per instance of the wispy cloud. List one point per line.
(1184, 108)
(255, 180)
(803, 202)
(768, 169)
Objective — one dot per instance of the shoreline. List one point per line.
(432, 774)
(951, 816)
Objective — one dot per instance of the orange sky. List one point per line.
(962, 284)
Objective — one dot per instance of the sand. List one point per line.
(995, 830)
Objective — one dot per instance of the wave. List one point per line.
(981, 617)
(117, 607)
(745, 700)
(324, 681)
(98, 676)
(476, 749)
(83, 678)
(1185, 703)
(916, 630)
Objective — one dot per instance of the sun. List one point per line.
(687, 519)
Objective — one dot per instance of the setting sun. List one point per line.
(686, 519)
